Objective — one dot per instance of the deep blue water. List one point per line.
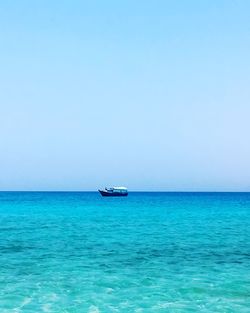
(149, 252)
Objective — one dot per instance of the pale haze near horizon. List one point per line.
(153, 95)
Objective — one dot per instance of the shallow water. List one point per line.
(149, 252)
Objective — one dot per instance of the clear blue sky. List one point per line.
(153, 95)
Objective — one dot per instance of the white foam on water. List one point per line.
(94, 309)
(109, 290)
(46, 307)
(25, 302)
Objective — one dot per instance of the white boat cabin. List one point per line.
(117, 189)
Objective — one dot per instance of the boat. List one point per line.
(114, 192)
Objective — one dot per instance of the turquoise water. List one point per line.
(149, 252)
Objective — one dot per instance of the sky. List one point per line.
(153, 95)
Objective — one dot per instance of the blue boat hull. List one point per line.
(106, 193)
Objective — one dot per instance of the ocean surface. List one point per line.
(149, 252)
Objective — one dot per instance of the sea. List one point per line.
(78, 252)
